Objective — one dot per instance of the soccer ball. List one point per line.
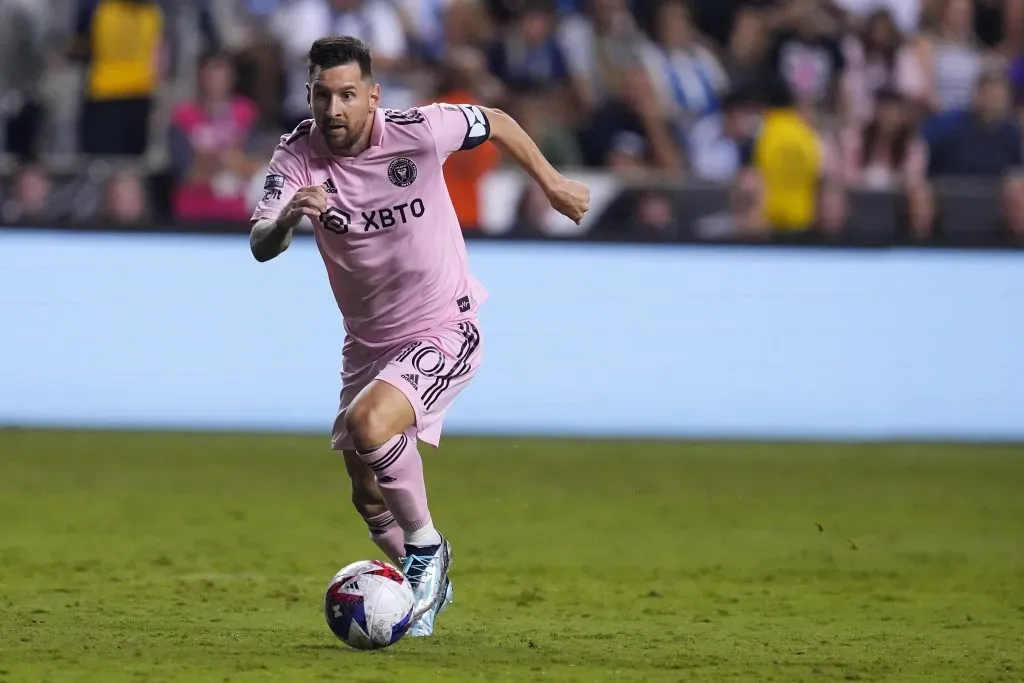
(369, 604)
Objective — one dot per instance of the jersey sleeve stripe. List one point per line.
(404, 118)
(301, 130)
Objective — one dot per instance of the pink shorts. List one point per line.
(430, 370)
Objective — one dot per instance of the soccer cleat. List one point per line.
(427, 572)
(425, 626)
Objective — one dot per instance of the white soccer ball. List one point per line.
(369, 604)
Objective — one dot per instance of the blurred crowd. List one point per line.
(129, 111)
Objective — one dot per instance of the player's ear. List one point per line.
(374, 96)
(309, 98)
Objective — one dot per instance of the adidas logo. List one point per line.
(329, 186)
(414, 380)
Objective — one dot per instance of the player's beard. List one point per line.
(342, 140)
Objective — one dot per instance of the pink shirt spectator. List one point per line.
(881, 172)
(390, 239)
(197, 131)
(864, 77)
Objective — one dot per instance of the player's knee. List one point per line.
(368, 424)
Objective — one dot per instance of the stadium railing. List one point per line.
(969, 210)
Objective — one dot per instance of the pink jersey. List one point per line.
(390, 239)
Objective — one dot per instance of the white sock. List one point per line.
(424, 536)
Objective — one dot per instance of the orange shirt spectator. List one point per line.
(464, 170)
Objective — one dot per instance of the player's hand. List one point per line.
(569, 198)
(308, 201)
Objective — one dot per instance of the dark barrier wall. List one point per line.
(969, 212)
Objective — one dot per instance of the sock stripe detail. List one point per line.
(370, 451)
(391, 456)
(380, 524)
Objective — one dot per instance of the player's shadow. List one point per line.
(338, 648)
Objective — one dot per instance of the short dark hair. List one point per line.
(215, 55)
(779, 94)
(540, 6)
(742, 94)
(328, 53)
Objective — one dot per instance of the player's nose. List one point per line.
(336, 108)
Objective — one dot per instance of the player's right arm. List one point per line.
(285, 201)
(271, 236)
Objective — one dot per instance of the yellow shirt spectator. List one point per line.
(123, 40)
(789, 158)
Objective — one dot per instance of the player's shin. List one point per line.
(399, 470)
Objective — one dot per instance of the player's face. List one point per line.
(342, 103)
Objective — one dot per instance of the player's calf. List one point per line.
(380, 421)
(366, 496)
(369, 503)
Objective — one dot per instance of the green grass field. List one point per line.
(155, 557)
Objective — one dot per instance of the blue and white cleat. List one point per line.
(427, 572)
(425, 626)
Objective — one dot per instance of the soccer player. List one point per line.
(371, 181)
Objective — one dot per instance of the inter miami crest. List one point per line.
(402, 172)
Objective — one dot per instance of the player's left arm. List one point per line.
(465, 126)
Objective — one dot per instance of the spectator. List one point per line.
(464, 171)
(505, 11)
(999, 25)
(121, 40)
(543, 122)
(808, 57)
(721, 19)
(376, 22)
(502, 11)
(466, 24)
(638, 214)
(211, 140)
(986, 142)
(715, 142)
(889, 153)
(631, 133)
(600, 47)
(687, 77)
(23, 54)
(905, 14)
(789, 185)
(423, 21)
(533, 109)
(950, 57)
(241, 28)
(529, 55)
(30, 200)
(124, 200)
(746, 49)
(879, 59)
